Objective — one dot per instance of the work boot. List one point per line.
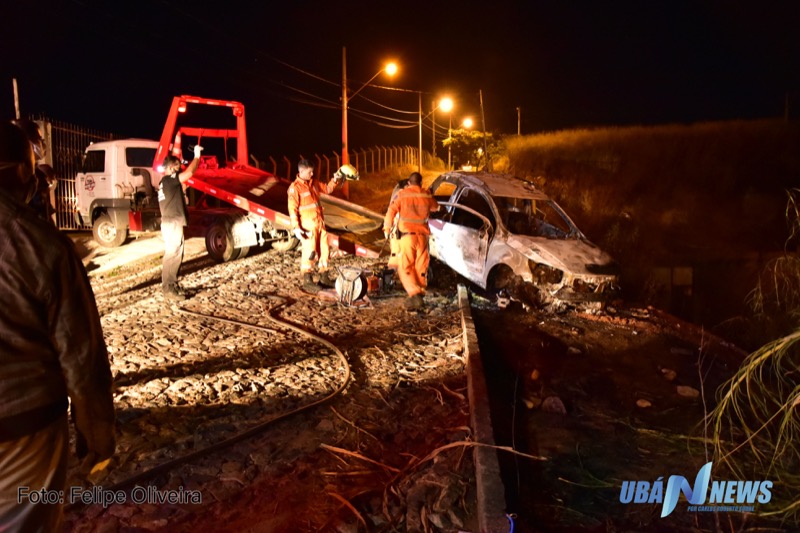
(308, 282)
(414, 302)
(174, 295)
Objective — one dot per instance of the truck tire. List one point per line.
(287, 245)
(106, 234)
(219, 242)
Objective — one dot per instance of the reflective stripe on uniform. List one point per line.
(414, 220)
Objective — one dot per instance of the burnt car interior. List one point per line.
(525, 216)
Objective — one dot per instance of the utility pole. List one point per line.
(483, 121)
(450, 142)
(345, 156)
(519, 120)
(16, 97)
(419, 160)
(433, 127)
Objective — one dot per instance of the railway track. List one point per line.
(216, 396)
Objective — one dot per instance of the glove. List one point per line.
(299, 233)
(197, 150)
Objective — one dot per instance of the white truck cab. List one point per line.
(117, 189)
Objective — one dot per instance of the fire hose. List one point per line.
(130, 482)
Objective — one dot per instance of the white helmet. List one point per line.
(347, 172)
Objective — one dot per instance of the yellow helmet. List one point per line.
(347, 172)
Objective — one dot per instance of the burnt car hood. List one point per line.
(575, 256)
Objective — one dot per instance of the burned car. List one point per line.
(504, 235)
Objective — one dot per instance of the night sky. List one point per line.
(115, 66)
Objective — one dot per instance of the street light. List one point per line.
(467, 123)
(389, 68)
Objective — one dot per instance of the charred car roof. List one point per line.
(497, 184)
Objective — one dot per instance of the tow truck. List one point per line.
(239, 206)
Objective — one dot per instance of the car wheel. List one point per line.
(219, 242)
(107, 234)
(502, 280)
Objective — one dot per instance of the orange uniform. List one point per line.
(306, 214)
(413, 205)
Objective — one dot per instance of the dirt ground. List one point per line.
(381, 456)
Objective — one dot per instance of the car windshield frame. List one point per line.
(535, 217)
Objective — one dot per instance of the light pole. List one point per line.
(419, 159)
(389, 68)
(446, 105)
(449, 143)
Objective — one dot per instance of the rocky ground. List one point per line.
(350, 409)
(256, 406)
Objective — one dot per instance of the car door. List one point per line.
(465, 234)
(442, 190)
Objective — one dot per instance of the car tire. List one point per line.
(219, 242)
(106, 234)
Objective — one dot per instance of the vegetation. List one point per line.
(755, 422)
(468, 147)
(669, 196)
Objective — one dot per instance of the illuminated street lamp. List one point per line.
(389, 68)
(467, 123)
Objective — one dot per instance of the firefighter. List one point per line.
(308, 221)
(413, 205)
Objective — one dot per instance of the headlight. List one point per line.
(544, 274)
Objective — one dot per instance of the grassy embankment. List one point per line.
(666, 196)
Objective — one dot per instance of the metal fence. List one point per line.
(67, 143)
(366, 160)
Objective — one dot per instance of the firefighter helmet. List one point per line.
(347, 172)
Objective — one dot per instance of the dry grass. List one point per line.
(654, 195)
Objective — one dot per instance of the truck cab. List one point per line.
(117, 190)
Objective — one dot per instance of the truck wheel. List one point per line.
(287, 245)
(219, 242)
(106, 234)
